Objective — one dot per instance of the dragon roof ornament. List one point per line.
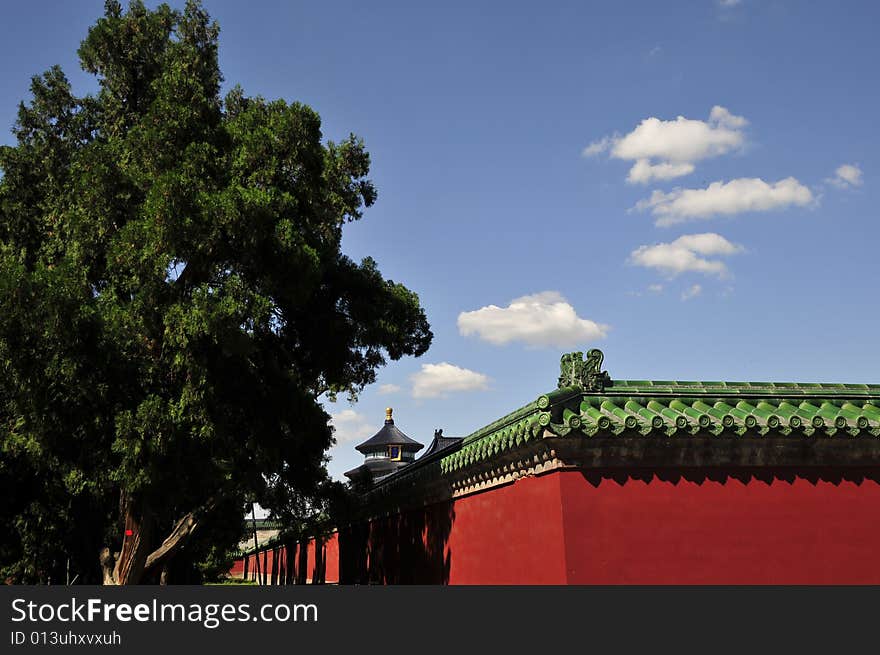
(575, 371)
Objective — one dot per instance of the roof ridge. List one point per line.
(501, 423)
(736, 388)
(618, 381)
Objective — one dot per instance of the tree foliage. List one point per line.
(173, 298)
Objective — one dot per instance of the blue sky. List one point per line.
(536, 154)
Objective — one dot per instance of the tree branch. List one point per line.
(183, 530)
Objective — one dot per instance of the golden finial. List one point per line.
(388, 412)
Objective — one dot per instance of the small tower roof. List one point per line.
(389, 435)
(439, 443)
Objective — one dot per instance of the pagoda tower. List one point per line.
(384, 453)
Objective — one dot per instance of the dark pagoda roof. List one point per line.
(439, 443)
(389, 435)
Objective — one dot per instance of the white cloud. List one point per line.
(683, 139)
(655, 288)
(664, 150)
(687, 254)
(598, 147)
(350, 426)
(385, 389)
(721, 116)
(745, 194)
(438, 380)
(643, 171)
(728, 3)
(691, 292)
(541, 319)
(846, 176)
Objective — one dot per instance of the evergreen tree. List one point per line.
(173, 300)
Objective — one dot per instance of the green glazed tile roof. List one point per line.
(663, 408)
(742, 388)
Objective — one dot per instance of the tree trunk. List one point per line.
(136, 545)
(135, 559)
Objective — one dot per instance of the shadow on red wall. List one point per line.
(313, 560)
(407, 548)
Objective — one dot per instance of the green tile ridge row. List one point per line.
(570, 411)
(776, 388)
(717, 416)
(514, 417)
(514, 429)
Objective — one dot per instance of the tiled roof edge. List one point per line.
(773, 389)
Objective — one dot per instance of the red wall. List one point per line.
(720, 532)
(509, 535)
(237, 569)
(568, 527)
(275, 574)
(331, 559)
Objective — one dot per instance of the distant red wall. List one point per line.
(310, 562)
(720, 532)
(274, 562)
(323, 567)
(331, 558)
(237, 569)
